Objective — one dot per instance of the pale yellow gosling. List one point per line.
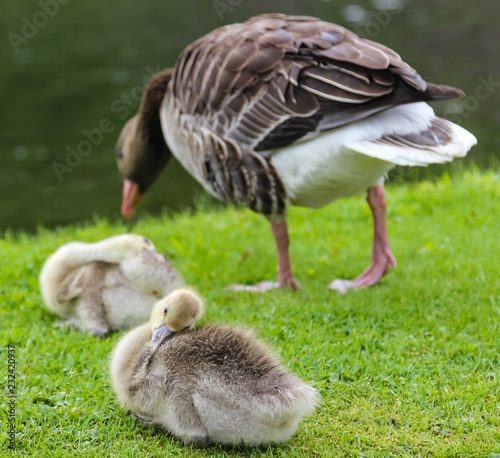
(109, 285)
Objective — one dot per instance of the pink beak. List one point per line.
(131, 199)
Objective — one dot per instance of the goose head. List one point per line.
(179, 311)
(141, 151)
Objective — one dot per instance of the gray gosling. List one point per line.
(109, 285)
(213, 384)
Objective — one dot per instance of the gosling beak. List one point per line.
(159, 257)
(131, 199)
(159, 335)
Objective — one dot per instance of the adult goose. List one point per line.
(289, 110)
(213, 384)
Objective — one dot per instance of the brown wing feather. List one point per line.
(308, 71)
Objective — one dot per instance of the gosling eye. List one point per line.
(146, 241)
(119, 154)
(165, 310)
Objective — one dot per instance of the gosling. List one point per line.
(109, 285)
(213, 384)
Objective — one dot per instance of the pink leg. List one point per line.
(382, 258)
(285, 275)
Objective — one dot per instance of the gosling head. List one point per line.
(179, 311)
(125, 243)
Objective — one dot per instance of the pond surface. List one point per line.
(71, 74)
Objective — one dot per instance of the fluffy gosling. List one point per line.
(109, 285)
(213, 384)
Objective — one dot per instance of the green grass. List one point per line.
(409, 367)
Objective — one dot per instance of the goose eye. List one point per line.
(165, 311)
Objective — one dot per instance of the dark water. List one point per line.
(72, 72)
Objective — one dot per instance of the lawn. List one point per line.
(409, 367)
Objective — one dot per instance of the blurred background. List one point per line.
(71, 74)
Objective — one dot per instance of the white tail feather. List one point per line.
(461, 142)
